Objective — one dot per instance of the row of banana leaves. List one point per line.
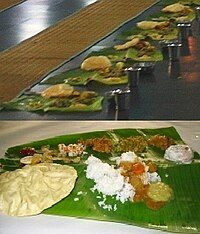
(79, 77)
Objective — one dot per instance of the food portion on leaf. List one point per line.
(176, 8)
(106, 72)
(113, 75)
(100, 69)
(147, 25)
(156, 30)
(96, 63)
(72, 77)
(137, 144)
(140, 50)
(32, 189)
(132, 180)
(122, 144)
(61, 97)
(143, 51)
(116, 144)
(67, 153)
(179, 12)
(179, 154)
(160, 141)
(105, 66)
(145, 180)
(113, 55)
(128, 44)
(59, 90)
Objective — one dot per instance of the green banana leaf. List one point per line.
(111, 53)
(38, 103)
(133, 54)
(180, 215)
(157, 35)
(73, 77)
(111, 80)
(81, 77)
(161, 16)
(131, 33)
(172, 34)
(196, 2)
(185, 2)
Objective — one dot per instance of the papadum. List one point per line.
(30, 190)
(59, 90)
(151, 24)
(96, 63)
(174, 8)
(128, 44)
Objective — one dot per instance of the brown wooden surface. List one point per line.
(29, 61)
(8, 3)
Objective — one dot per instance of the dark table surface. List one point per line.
(171, 92)
(25, 20)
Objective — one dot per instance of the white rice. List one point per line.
(128, 157)
(108, 180)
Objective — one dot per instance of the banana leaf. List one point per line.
(111, 53)
(153, 34)
(154, 56)
(161, 16)
(80, 77)
(131, 33)
(185, 2)
(196, 2)
(180, 215)
(158, 35)
(72, 77)
(110, 80)
(38, 103)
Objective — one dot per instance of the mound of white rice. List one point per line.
(108, 180)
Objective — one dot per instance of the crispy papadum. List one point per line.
(150, 24)
(128, 44)
(96, 63)
(30, 190)
(174, 8)
(59, 90)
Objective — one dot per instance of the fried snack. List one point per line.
(162, 142)
(152, 25)
(59, 90)
(96, 63)
(30, 190)
(128, 44)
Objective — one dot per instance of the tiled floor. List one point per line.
(32, 16)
